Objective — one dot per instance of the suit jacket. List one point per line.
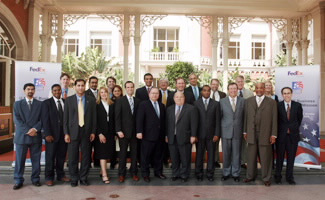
(26, 119)
(190, 90)
(247, 93)
(142, 93)
(189, 98)
(232, 123)
(51, 119)
(296, 115)
(209, 120)
(160, 96)
(186, 125)
(107, 129)
(268, 118)
(71, 121)
(90, 93)
(124, 119)
(148, 123)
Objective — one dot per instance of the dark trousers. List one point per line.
(166, 155)
(181, 159)
(54, 159)
(124, 143)
(151, 152)
(289, 148)
(73, 153)
(202, 146)
(35, 155)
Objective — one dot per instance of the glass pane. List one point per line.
(161, 34)
(258, 44)
(161, 46)
(155, 34)
(238, 53)
(232, 53)
(98, 41)
(258, 53)
(171, 34)
(232, 44)
(170, 46)
(253, 53)
(177, 34)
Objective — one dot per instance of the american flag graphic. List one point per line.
(308, 148)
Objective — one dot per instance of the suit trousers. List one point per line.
(151, 152)
(55, 156)
(202, 146)
(290, 149)
(264, 152)
(217, 152)
(124, 143)
(231, 149)
(181, 159)
(243, 151)
(83, 142)
(35, 156)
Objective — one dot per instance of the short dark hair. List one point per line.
(289, 88)
(92, 77)
(214, 79)
(241, 77)
(55, 85)
(147, 74)
(180, 78)
(79, 80)
(127, 83)
(230, 84)
(64, 74)
(29, 85)
(111, 77)
(208, 86)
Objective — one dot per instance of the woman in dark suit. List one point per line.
(117, 92)
(104, 143)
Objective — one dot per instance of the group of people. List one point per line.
(157, 125)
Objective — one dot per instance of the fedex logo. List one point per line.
(295, 73)
(37, 69)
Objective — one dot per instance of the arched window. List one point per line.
(7, 44)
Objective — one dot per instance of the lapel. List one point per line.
(53, 105)
(172, 114)
(229, 105)
(86, 103)
(182, 112)
(127, 104)
(201, 103)
(145, 92)
(75, 103)
(25, 109)
(103, 108)
(210, 104)
(153, 109)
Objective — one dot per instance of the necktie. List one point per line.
(196, 93)
(240, 93)
(178, 113)
(259, 101)
(131, 104)
(81, 113)
(288, 111)
(214, 96)
(149, 90)
(29, 105)
(233, 105)
(206, 104)
(95, 94)
(65, 95)
(164, 98)
(60, 109)
(156, 108)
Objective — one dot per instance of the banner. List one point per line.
(43, 75)
(305, 83)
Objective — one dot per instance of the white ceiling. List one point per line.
(280, 8)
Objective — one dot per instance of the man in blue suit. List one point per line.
(27, 118)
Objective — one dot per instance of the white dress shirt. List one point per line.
(57, 104)
(106, 106)
(216, 95)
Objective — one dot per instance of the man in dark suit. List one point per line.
(125, 114)
(56, 148)
(217, 96)
(79, 128)
(181, 130)
(260, 132)
(151, 130)
(290, 115)
(93, 84)
(27, 118)
(164, 92)
(208, 132)
(180, 87)
(232, 129)
(110, 82)
(143, 92)
(194, 87)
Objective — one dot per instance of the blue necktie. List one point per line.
(156, 108)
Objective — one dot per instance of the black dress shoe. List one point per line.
(236, 179)
(199, 178)
(146, 179)
(17, 186)
(224, 178)
(247, 180)
(291, 182)
(37, 184)
(74, 183)
(278, 181)
(210, 179)
(85, 183)
(244, 166)
(184, 180)
(217, 165)
(174, 178)
(161, 176)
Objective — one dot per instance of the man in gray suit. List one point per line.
(181, 126)
(27, 118)
(208, 132)
(244, 93)
(232, 125)
(260, 132)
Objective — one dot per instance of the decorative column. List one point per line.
(304, 41)
(215, 41)
(49, 47)
(33, 32)
(299, 50)
(137, 41)
(59, 38)
(289, 43)
(225, 43)
(45, 35)
(126, 42)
